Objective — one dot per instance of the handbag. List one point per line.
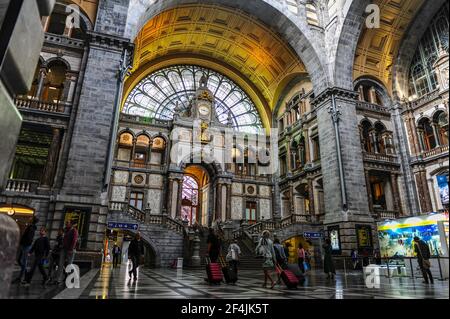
(260, 250)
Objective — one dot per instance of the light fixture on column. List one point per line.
(11, 211)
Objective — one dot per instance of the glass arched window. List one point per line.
(158, 94)
(422, 75)
(190, 200)
(366, 128)
(427, 134)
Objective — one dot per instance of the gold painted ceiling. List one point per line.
(377, 48)
(228, 38)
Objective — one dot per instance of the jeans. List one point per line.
(426, 272)
(37, 262)
(135, 265)
(300, 264)
(66, 258)
(116, 259)
(23, 259)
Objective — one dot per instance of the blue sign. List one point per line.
(123, 226)
(443, 188)
(310, 234)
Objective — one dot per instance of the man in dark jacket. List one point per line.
(423, 258)
(41, 249)
(135, 251)
(24, 248)
(68, 249)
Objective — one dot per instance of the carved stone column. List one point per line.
(396, 193)
(311, 197)
(52, 159)
(228, 213)
(369, 190)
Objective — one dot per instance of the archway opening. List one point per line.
(196, 196)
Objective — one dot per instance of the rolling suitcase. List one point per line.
(228, 273)
(290, 280)
(295, 269)
(214, 272)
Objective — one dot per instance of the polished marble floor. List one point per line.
(108, 283)
(190, 284)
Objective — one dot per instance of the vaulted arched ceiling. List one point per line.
(229, 41)
(377, 48)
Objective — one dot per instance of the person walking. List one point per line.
(213, 246)
(234, 251)
(116, 252)
(41, 250)
(328, 264)
(266, 250)
(423, 258)
(135, 252)
(55, 255)
(301, 257)
(67, 254)
(377, 257)
(24, 248)
(286, 251)
(354, 256)
(280, 256)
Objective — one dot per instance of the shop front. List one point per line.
(23, 216)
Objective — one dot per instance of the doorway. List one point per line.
(196, 196)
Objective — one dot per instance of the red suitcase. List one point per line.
(214, 272)
(290, 280)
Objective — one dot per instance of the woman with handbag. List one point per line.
(423, 258)
(266, 251)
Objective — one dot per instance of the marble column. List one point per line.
(52, 159)
(228, 212)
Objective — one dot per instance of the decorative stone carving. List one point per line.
(237, 188)
(264, 190)
(236, 208)
(154, 201)
(264, 208)
(120, 177)
(155, 180)
(138, 179)
(119, 194)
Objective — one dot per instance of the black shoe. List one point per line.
(425, 282)
(16, 281)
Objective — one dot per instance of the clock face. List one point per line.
(203, 109)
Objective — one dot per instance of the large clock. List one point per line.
(204, 109)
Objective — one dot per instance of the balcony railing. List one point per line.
(21, 186)
(385, 214)
(365, 106)
(380, 157)
(142, 119)
(436, 151)
(44, 106)
(63, 40)
(133, 164)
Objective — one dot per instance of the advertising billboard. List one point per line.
(396, 236)
(442, 181)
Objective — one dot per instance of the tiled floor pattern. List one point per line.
(190, 284)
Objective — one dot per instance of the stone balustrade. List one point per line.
(380, 157)
(436, 151)
(27, 103)
(385, 214)
(21, 186)
(366, 106)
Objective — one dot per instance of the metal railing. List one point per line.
(406, 267)
(21, 186)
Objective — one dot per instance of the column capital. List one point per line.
(336, 91)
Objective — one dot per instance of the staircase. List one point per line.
(164, 235)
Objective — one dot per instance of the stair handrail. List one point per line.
(136, 213)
